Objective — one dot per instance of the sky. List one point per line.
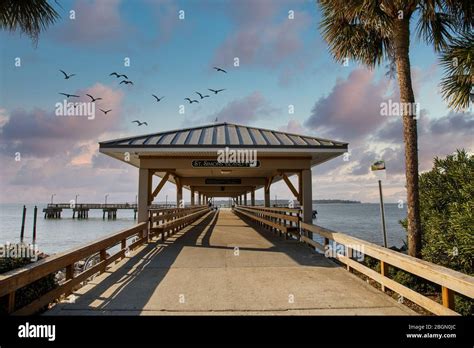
(169, 48)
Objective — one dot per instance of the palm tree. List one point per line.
(370, 31)
(458, 63)
(29, 17)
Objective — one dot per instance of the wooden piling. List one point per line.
(22, 232)
(34, 224)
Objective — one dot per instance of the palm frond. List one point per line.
(356, 29)
(435, 25)
(29, 17)
(458, 64)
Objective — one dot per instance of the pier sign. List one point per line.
(217, 164)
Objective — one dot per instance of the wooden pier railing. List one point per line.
(333, 242)
(169, 220)
(282, 220)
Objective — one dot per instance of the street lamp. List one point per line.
(107, 195)
(75, 201)
(166, 202)
(52, 197)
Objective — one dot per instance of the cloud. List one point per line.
(242, 111)
(351, 111)
(96, 21)
(41, 133)
(264, 36)
(293, 126)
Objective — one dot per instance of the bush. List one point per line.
(30, 292)
(447, 218)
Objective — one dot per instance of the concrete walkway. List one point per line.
(223, 265)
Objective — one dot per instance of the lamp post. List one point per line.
(75, 201)
(52, 197)
(166, 201)
(107, 195)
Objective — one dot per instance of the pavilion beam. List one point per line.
(290, 186)
(160, 185)
(245, 198)
(164, 164)
(252, 197)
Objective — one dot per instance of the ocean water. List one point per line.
(57, 235)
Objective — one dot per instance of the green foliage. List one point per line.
(447, 206)
(30, 292)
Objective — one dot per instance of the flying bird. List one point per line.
(202, 96)
(118, 75)
(219, 69)
(66, 76)
(126, 82)
(93, 99)
(105, 111)
(157, 99)
(191, 100)
(216, 90)
(70, 95)
(140, 123)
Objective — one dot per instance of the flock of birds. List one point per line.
(127, 81)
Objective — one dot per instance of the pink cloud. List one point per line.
(96, 21)
(264, 34)
(351, 111)
(241, 111)
(41, 133)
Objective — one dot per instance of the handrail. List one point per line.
(449, 280)
(293, 218)
(288, 224)
(288, 210)
(168, 214)
(18, 278)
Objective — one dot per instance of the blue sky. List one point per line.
(282, 62)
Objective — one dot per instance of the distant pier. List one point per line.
(81, 211)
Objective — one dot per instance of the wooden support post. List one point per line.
(70, 271)
(245, 198)
(384, 272)
(192, 195)
(349, 255)
(11, 302)
(103, 257)
(252, 197)
(307, 198)
(268, 183)
(447, 296)
(144, 193)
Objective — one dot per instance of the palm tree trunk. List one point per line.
(402, 60)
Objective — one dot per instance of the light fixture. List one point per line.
(226, 171)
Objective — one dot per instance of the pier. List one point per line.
(246, 260)
(81, 211)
